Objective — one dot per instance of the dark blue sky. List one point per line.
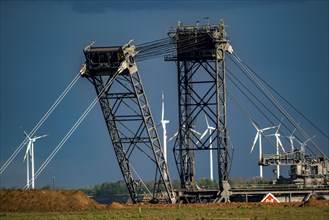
(41, 51)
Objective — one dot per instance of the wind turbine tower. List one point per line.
(209, 129)
(259, 138)
(278, 143)
(27, 155)
(30, 148)
(164, 122)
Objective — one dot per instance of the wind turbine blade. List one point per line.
(309, 139)
(277, 130)
(41, 136)
(270, 135)
(26, 153)
(204, 133)
(173, 136)
(280, 143)
(295, 129)
(268, 128)
(206, 121)
(162, 111)
(25, 133)
(27, 150)
(253, 145)
(194, 131)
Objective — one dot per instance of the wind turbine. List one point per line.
(278, 143)
(291, 139)
(210, 129)
(303, 144)
(259, 137)
(30, 148)
(191, 129)
(164, 122)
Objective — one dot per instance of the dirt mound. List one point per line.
(45, 200)
(74, 200)
(115, 205)
(316, 203)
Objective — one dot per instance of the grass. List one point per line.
(181, 213)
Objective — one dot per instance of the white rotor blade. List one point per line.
(27, 150)
(295, 129)
(173, 136)
(194, 131)
(26, 134)
(270, 135)
(291, 139)
(309, 139)
(206, 121)
(162, 111)
(42, 136)
(253, 145)
(280, 143)
(264, 129)
(277, 130)
(204, 133)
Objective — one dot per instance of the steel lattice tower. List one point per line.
(130, 124)
(200, 59)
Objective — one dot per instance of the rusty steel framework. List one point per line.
(128, 118)
(200, 59)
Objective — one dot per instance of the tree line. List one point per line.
(120, 188)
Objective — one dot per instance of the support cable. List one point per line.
(272, 99)
(140, 179)
(268, 95)
(166, 46)
(247, 115)
(39, 124)
(75, 126)
(254, 104)
(239, 88)
(258, 100)
(300, 113)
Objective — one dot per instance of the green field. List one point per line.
(261, 212)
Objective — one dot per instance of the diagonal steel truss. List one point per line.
(129, 120)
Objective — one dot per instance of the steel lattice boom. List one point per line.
(128, 118)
